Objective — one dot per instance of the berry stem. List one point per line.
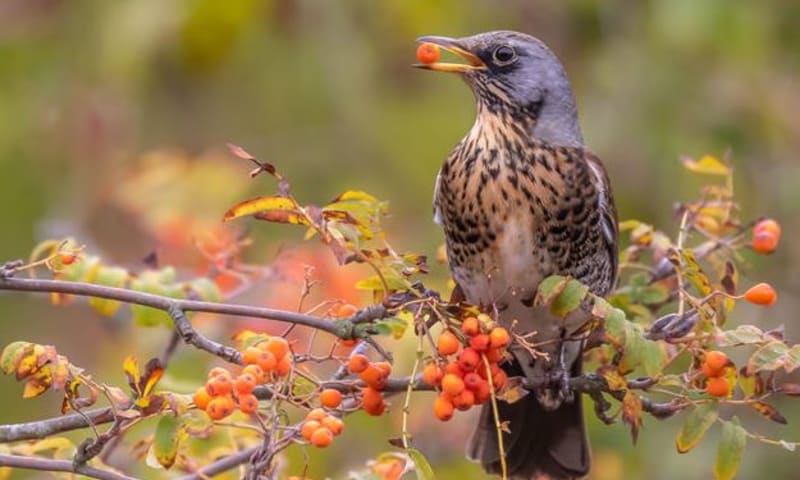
(501, 449)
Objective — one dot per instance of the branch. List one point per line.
(47, 464)
(221, 465)
(52, 426)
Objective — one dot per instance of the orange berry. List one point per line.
(256, 371)
(67, 258)
(448, 343)
(316, 414)
(284, 366)
(308, 428)
(472, 381)
(761, 294)
(764, 242)
(219, 385)
(330, 398)
(244, 384)
(358, 363)
(385, 368)
(373, 377)
(220, 407)
(452, 384)
(767, 225)
(469, 360)
(471, 326)
(499, 379)
(499, 337)
(217, 371)
(714, 363)
(428, 53)
(322, 437)
(267, 361)
(464, 401)
(718, 387)
(454, 368)
(334, 424)
(201, 398)
(348, 343)
(376, 411)
(480, 342)
(494, 355)
(250, 355)
(277, 346)
(248, 403)
(443, 408)
(482, 393)
(371, 398)
(432, 374)
(344, 310)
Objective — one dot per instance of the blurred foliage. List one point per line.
(95, 96)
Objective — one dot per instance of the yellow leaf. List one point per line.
(708, 165)
(260, 205)
(131, 368)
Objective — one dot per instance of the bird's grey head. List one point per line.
(516, 74)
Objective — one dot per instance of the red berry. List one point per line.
(443, 408)
(432, 374)
(219, 385)
(761, 294)
(464, 400)
(220, 407)
(244, 384)
(67, 258)
(718, 387)
(469, 359)
(452, 385)
(471, 326)
(308, 428)
(330, 398)
(499, 337)
(448, 343)
(428, 53)
(714, 363)
(357, 363)
(322, 437)
(480, 342)
(248, 403)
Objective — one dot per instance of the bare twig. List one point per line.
(50, 465)
(51, 426)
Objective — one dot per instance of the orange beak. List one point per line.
(451, 45)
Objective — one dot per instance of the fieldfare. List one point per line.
(520, 198)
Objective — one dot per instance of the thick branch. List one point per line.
(221, 465)
(51, 426)
(50, 465)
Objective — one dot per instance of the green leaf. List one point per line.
(570, 298)
(730, 450)
(769, 357)
(394, 326)
(167, 440)
(741, 335)
(695, 426)
(550, 288)
(206, 289)
(110, 277)
(422, 467)
(12, 355)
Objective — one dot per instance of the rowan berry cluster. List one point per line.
(374, 375)
(468, 366)
(320, 427)
(265, 361)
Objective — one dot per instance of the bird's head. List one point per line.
(515, 74)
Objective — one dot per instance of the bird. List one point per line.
(521, 198)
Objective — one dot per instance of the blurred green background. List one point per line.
(97, 95)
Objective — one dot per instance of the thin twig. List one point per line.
(51, 465)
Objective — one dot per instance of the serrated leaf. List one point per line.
(695, 426)
(167, 440)
(730, 450)
(707, 164)
(421, 466)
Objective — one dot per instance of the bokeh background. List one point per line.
(114, 118)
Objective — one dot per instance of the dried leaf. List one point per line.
(284, 210)
(707, 164)
(632, 413)
(167, 440)
(768, 411)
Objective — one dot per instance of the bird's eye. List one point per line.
(504, 55)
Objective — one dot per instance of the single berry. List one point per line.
(499, 337)
(443, 408)
(494, 355)
(256, 371)
(308, 428)
(277, 346)
(470, 326)
(267, 362)
(499, 379)
(761, 294)
(764, 242)
(330, 398)
(67, 258)
(714, 363)
(768, 225)
(219, 385)
(482, 393)
(385, 368)
(718, 387)
(454, 368)
(322, 437)
(201, 398)
(220, 407)
(472, 381)
(250, 355)
(432, 374)
(344, 310)
(452, 385)
(244, 384)
(371, 399)
(480, 342)
(248, 403)
(357, 363)
(218, 371)
(284, 366)
(464, 400)
(334, 424)
(448, 343)
(469, 360)
(316, 414)
(428, 53)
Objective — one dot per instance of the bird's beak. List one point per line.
(451, 45)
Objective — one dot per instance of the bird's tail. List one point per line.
(541, 444)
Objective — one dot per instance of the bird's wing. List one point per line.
(437, 214)
(605, 203)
